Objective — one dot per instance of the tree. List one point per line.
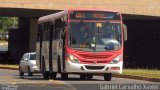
(8, 22)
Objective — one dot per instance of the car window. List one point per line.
(25, 56)
(32, 57)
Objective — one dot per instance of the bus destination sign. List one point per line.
(95, 15)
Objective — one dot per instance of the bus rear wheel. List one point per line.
(46, 75)
(64, 76)
(107, 76)
(53, 75)
(44, 72)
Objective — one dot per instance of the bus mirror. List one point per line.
(125, 32)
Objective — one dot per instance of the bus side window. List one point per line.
(40, 28)
(46, 32)
(63, 27)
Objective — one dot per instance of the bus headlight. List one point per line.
(116, 60)
(73, 59)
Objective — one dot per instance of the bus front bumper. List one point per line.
(93, 68)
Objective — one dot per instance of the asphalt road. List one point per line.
(11, 78)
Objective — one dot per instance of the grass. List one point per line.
(142, 72)
(9, 65)
(3, 42)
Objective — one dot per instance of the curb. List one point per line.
(138, 78)
(118, 76)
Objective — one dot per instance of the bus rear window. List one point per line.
(95, 15)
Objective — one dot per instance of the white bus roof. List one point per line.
(52, 16)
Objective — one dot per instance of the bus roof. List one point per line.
(52, 16)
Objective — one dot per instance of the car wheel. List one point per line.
(107, 76)
(20, 72)
(29, 72)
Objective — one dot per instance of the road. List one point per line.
(73, 83)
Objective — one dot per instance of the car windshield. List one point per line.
(32, 57)
(94, 36)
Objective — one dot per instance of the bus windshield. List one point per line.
(95, 36)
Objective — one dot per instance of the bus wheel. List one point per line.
(59, 65)
(83, 76)
(44, 72)
(46, 75)
(107, 76)
(53, 75)
(64, 76)
(89, 76)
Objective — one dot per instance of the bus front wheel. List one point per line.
(86, 76)
(107, 76)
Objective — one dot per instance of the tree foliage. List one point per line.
(8, 22)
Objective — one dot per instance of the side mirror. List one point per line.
(125, 32)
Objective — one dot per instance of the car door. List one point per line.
(22, 63)
(26, 60)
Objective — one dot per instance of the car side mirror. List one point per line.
(125, 32)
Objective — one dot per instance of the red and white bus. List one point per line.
(81, 41)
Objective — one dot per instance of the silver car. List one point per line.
(28, 64)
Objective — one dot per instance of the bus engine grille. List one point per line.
(94, 67)
(86, 56)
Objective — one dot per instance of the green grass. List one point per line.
(142, 72)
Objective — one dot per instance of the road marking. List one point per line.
(56, 81)
(61, 82)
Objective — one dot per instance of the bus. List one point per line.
(86, 42)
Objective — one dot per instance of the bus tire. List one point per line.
(83, 76)
(44, 72)
(53, 75)
(59, 65)
(46, 75)
(64, 76)
(89, 76)
(107, 76)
